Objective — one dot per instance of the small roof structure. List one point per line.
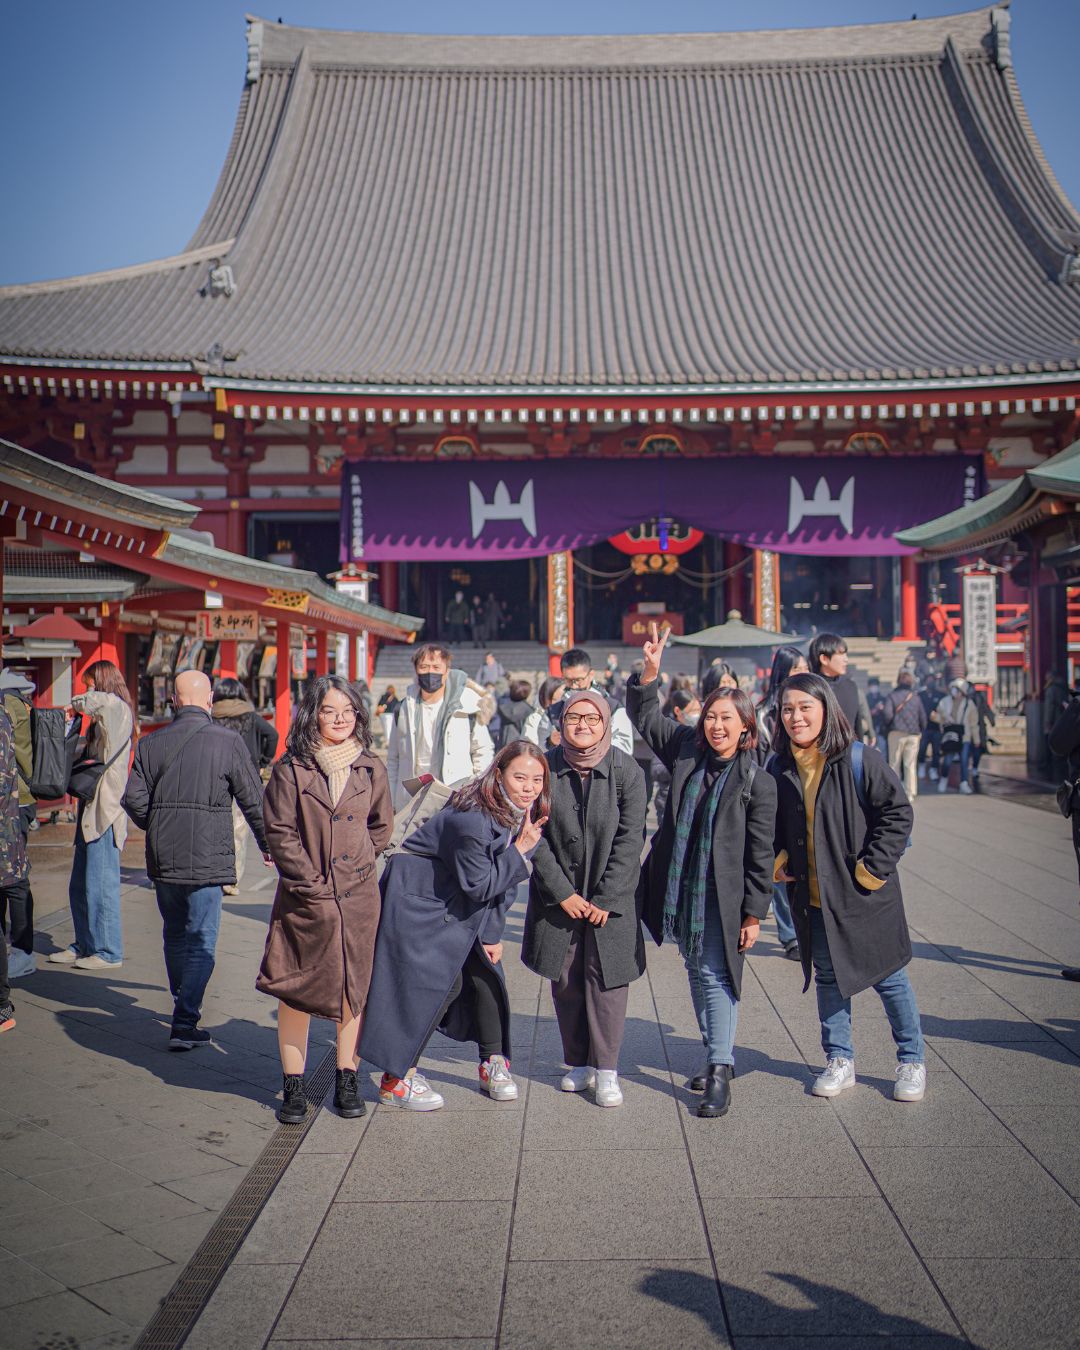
(735, 633)
(652, 214)
(1015, 506)
(48, 503)
(56, 627)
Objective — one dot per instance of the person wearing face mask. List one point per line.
(438, 954)
(457, 619)
(708, 876)
(438, 727)
(583, 924)
(842, 824)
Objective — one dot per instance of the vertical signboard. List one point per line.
(980, 627)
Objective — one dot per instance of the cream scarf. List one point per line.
(335, 762)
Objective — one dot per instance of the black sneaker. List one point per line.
(791, 951)
(7, 1013)
(347, 1097)
(188, 1038)
(293, 1108)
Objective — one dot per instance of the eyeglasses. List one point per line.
(577, 681)
(329, 715)
(586, 719)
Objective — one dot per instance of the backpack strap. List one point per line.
(858, 771)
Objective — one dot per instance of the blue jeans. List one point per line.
(785, 929)
(965, 762)
(894, 990)
(94, 896)
(191, 918)
(714, 1000)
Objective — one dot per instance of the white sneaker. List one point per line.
(839, 1074)
(910, 1085)
(496, 1081)
(20, 963)
(966, 788)
(67, 957)
(608, 1091)
(943, 785)
(922, 770)
(933, 774)
(230, 888)
(578, 1080)
(96, 962)
(411, 1094)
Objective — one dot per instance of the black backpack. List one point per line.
(54, 753)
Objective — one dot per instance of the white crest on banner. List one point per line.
(842, 508)
(501, 507)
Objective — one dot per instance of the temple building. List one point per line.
(689, 321)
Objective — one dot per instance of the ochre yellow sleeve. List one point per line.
(866, 879)
(780, 864)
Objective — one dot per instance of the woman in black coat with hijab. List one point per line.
(708, 876)
(842, 824)
(583, 926)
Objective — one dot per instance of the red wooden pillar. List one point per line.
(389, 585)
(109, 645)
(909, 599)
(282, 687)
(227, 660)
(236, 529)
(322, 652)
(350, 657)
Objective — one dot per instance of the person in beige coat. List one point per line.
(101, 824)
(328, 816)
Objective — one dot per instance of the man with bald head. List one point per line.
(182, 786)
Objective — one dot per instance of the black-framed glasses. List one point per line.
(585, 719)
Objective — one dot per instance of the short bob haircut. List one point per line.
(304, 739)
(484, 794)
(836, 734)
(741, 701)
(431, 649)
(825, 644)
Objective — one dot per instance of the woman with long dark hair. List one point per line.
(328, 816)
(708, 875)
(583, 925)
(787, 661)
(439, 950)
(101, 823)
(843, 822)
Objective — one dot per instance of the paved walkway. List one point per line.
(791, 1222)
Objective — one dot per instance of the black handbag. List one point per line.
(88, 771)
(1066, 797)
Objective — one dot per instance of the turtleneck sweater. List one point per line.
(810, 763)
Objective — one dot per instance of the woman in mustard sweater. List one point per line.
(842, 823)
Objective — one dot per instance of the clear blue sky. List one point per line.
(117, 113)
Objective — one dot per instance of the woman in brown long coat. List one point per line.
(328, 815)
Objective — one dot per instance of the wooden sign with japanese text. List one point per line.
(229, 625)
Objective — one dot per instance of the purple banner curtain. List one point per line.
(837, 505)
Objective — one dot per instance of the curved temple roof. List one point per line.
(850, 206)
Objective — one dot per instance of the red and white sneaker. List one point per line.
(411, 1094)
(496, 1081)
(7, 1014)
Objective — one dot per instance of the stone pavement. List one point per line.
(549, 1222)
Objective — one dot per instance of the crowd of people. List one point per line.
(395, 878)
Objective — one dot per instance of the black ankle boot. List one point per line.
(697, 1083)
(717, 1096)
(293, 1108)
(347, 1097)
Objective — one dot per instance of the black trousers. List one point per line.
(482, 984)
(17, 900)
(5, 985)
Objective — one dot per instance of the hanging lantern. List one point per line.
(659, 535)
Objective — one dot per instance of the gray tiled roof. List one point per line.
(851, 205)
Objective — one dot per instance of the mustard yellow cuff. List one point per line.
(779, 864)
(866, 879)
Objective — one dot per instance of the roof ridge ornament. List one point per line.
(254, 48)
(1001, 21)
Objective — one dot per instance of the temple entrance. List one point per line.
(518, 587)
(609, 585)
(855, 597)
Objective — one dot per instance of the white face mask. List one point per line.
(691, 719)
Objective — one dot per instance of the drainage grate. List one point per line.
(170, 1325)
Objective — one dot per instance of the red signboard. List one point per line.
(635, 627)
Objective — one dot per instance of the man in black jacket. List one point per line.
(828, 657)
(183, 782)
(1064, 740)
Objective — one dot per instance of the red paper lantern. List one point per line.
(657, 536)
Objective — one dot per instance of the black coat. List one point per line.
(867, 930)
(254, 730)
(599, 858)
(512, 716)
(742, 851)
(186, 810)
(444, 893)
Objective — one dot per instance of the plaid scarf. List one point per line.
(687, 879)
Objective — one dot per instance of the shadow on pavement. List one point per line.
(1005, 965)
(832, 1311)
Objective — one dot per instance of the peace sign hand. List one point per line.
(653, 651)
(529, 837)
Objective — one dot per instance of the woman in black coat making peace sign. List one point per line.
(708, 876)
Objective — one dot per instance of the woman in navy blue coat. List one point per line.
(439, 948)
